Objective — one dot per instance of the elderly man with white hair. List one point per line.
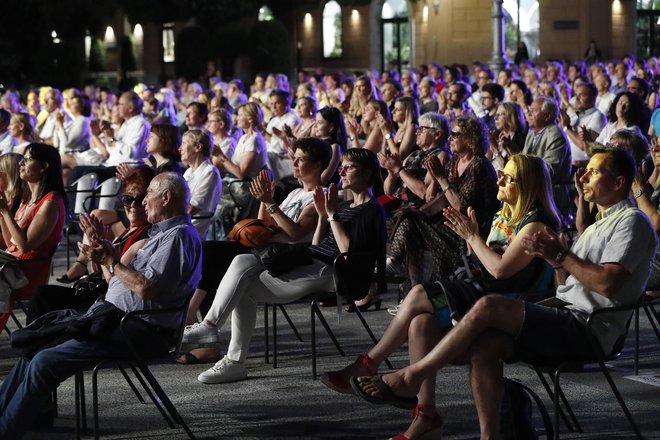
(163, 274)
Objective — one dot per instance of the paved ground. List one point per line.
(285, 403)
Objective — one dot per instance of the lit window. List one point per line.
(394, 8)
(265, 14)
(168, 42)
(332, 30)
(529, 26)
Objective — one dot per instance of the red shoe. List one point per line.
(339, 380)
(435, 419)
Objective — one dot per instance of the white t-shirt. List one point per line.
(256, 143)
(293, 206)
(591, 118)
(73, 135)
(610, 129)
(227, 145)
(205, 190)
(276, 145)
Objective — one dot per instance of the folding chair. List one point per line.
(21, 303)
(140, 367)
(83, 189)
(554, 368)
(107, 193)
(342, 290)
(646, 304)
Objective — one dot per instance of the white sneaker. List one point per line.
(393, 269)
(200, 333)
(225, 370)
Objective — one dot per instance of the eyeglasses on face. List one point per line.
(422, 129)
(455, 134)
(506, 178)
(127, 199)
(346, 168)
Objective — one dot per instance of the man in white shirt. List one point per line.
(53, 103)
(128, 144)
(6, 140)
(607, 266)
(605, 96)
(203, 178)
(279, 161)
(484, 76)
(586, 117)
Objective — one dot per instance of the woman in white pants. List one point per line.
(356, 225)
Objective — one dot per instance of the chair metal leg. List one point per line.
(267, 347)
(155, 386)
(274, 336)
(572, 425)
(555, 402)
(636, 359)
(312, 321)
(316, 313)
(95, 401)
(653, 318)
(130, 383)
(371, 334)
(81, 412)
(618, 396)
(147, 389)
(291, 324)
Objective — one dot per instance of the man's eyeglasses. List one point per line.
(422, 128)
(501, 175)
(127, 199)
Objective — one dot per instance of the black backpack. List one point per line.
(516, 412)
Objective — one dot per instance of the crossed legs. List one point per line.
(485, 334)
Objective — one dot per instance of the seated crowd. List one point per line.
(466, 187)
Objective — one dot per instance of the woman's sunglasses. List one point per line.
(127, 199)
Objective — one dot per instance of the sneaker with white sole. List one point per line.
(200, 333)
(394, 269)
(225, 370)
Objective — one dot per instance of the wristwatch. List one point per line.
(561, 255)
(638, 192)
(388, 136)
(272, 208)
(111, 268)
(333, 218)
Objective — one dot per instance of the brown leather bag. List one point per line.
(252, 232)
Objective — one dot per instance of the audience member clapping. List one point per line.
(34, 231)
(423, 318)
(202, 177)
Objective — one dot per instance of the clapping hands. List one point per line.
(262, 188)
(464, 227)
(326, 202)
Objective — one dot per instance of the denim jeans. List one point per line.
(27, 388)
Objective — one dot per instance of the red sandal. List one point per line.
(339, 380)
(435, 419)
